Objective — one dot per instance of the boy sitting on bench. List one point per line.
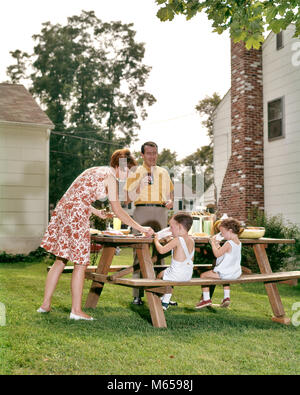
(183, 248)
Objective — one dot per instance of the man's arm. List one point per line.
(169, 203)
(170, 198)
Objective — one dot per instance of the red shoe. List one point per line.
(225, 302)
(203, 303)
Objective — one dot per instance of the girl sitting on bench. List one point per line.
(228, 264)
(183, 248)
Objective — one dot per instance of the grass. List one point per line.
(238, 340)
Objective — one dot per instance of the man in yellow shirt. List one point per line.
(151, 189)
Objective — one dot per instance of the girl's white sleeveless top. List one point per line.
(228, 266)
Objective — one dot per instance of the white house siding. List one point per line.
(24, 152)
(281, 78)
(222, 140)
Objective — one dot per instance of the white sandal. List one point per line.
(41, 310)
(80, 317)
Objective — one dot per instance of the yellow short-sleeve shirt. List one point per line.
(156, 193)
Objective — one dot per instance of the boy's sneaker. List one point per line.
(173, 303)
(225, 302)
(165, 306)
(203, 303)
(137, 301)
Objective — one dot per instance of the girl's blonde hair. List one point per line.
(231, 223)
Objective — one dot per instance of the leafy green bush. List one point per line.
(281, 256)
(99, 223)
(36, 255)
(205, 256)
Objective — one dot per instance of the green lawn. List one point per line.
(238, 340)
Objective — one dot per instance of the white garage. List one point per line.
(24, 170)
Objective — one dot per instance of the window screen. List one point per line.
(275, 119)
(279, 40)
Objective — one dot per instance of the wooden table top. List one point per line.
(198, 240)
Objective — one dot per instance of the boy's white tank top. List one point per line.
(180, 271)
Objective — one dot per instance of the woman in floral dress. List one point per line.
(68, 232)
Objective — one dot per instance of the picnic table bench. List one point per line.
(155, 287)
(117, 268)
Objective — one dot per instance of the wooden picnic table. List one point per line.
(154, 287)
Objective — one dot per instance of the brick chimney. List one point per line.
(243, 183)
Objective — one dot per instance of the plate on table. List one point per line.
(113, 233)
(125, 232)
(200, 234)
(115, 236)
(95, 231)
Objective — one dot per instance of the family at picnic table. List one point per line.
(150, 188)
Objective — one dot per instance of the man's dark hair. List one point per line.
(150, 144)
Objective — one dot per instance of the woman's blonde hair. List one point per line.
(123, 153)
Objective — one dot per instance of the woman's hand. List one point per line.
(103, 214)
(147, 231)
(126, 219)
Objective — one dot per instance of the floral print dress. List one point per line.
(68, 232)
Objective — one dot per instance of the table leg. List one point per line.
(103, 268)
(156, 310)
(272, 290)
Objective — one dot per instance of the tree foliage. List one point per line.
(89, 77)
(206, 107)
(246, 20)
(167, 158)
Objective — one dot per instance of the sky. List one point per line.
(188, 60)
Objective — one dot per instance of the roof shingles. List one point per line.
(17, 105)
